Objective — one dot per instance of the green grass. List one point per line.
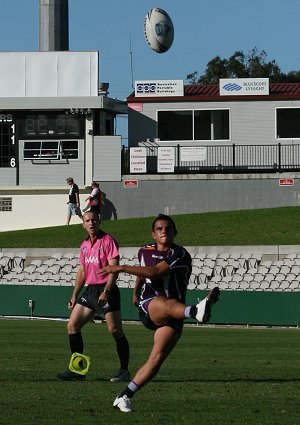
(275, 226)
(214, 376)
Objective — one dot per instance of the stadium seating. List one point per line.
(229, 271)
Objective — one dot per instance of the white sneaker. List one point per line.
(204, 306)
(123, 404)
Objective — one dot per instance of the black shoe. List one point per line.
(70, 376)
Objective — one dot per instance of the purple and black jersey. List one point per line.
(172, 285)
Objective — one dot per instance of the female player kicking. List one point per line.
(160, 290)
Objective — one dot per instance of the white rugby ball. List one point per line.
(159, 30)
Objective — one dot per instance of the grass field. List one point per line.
(214, 376)
(274, 226)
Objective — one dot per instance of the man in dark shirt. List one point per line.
(160, 290)
(73, 202)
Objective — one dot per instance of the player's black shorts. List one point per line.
(89, 298)
(175, 324)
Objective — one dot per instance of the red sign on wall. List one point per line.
(286, 182)
(131, 183)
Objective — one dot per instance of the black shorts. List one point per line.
(89, 298)
(175, 324)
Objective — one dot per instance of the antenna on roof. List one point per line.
(131, 61)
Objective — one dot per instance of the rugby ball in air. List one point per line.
(159, 30)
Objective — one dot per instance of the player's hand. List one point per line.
(72, 303)
(109, 269)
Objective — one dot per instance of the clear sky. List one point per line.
(203, 29)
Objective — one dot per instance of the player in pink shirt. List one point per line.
(101, 295)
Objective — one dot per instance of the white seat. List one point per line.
(274, 269)
(229, 270)
(253, 285)
(266, 263)
(224, 285)
(69, 255)
(202, 278)
(244, 285)
(218, 270)
(53, 269)
(30, 269)
(258, 277)
(208, 262)
(295, 285)
(284, 284)
(207, 270)
(41, 269)
(290, 276)
(280, 277)
(285, 269)
(216, 279)
(269, 277)
(252, 263)
(56, 255)
(262, 269)
(49, 262)
(274, 285)
(248, 277)
(19, 258)
(236, 278)
(264, 284)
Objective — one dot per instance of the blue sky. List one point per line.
(203, 29)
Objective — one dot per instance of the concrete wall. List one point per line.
(181, 194)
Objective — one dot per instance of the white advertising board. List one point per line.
(165, 159)
(244, 86)
(149, 88)
(193, 153)
(138, 160)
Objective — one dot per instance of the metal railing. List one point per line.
(227, 159)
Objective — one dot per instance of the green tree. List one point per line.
(255, 64)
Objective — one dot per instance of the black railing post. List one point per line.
(233, 156)
(178, 158)
(279, 157)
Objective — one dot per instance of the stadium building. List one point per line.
(191, 149)
(56, 120)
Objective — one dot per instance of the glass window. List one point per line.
(288, 123)
(175, 125)
(208, 125)
(69, 149)
(50, 149)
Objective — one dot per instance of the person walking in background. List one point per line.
(160, 290)
(101, 295)
(94, 199)
(74, 201)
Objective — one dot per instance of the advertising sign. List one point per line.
(244, 86)
(149, 88)
(138, 160)
(193, 153)
(165, 159)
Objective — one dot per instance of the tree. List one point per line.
(252, 65)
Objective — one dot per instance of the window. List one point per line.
(175, 125)
(50, 149)
(193, 125)
(288, 123)
(211, 125)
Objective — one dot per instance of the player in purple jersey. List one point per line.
(160, 289)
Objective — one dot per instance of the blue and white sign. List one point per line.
(149, 88)
(244, 86)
